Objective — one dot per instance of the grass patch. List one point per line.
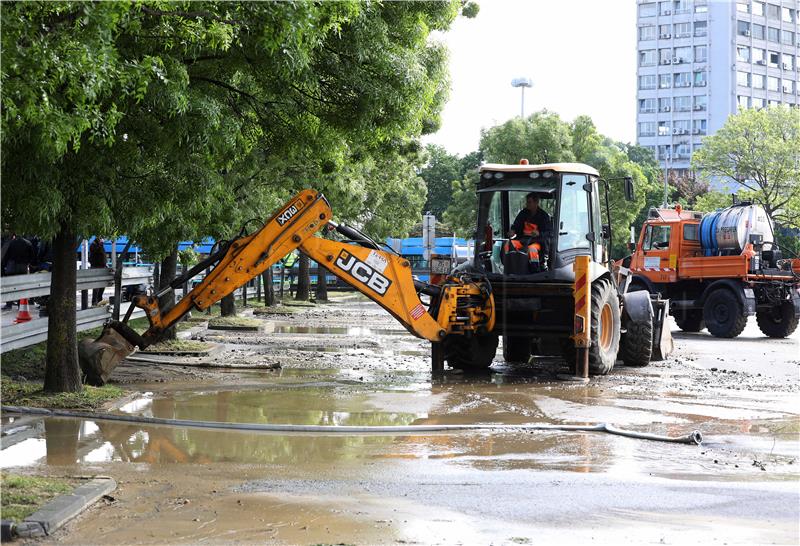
(235, 321)
(30, 393)
(29, 362)
(275, 310)
(23, 495)
(179, 346)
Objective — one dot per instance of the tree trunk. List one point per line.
(62, 372)
(244, 295)
(227, 306)
(322, 283)
(269, 288)
(303, 279)
(169, 268)
(258, 287)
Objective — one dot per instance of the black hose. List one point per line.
(693, 438)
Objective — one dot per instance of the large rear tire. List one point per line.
(516, 348)
(723, 314)
(605, 334)
(779, 321)
(690, 321)
(472, 353)
(636, 345)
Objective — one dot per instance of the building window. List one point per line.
(681, 127)
(683, 104)
(788, 62)
(663, 104)
(663, 128)
(774, 102)
(647, 82)
(647, 33)
(743, 79)
(700, 7)
(787, 15)
(700, 54)
(682, 151)
(700, 28)
(665, 56)
(700, 78)
(647, 105)
(663, 151)
(664, 81)
(773, 59)
(699, 127)
(647, 128)
(647, 57)
(758, 81)
(758, 8)
(683, 54)
(742, 28)
(759, 56)
(758, 103)
(647, 10)
(787, 37)
(682, 79)
(743, 54)
(772, 83)
(665, 31)
(683, 6)
(773, 12)
(773, 34)
(743, 7)
(683, 30)
(758, 31)
(665, 8)
(700, 102)
(743, 102)
(788, 86)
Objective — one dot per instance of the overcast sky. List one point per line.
(580, 54)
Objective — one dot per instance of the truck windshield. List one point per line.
(574, 217)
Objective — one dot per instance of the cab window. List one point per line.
(691, 232)
(656, 238)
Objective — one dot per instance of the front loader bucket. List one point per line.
(662, 334)
(98, 358)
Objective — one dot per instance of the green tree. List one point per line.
(131, 117)
(543, 137)
(758, 149)
(439, 173)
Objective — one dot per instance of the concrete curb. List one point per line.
(235, 328)
(58, 511)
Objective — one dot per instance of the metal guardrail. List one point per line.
(16, 287)
(34, 285)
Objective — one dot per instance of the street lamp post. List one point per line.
(522, 83)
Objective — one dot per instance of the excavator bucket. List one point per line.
(662, 335)
(98, 358)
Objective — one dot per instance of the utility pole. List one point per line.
(522, 83)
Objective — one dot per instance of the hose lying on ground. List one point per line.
(694, 438)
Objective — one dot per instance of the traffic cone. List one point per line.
(24, 314)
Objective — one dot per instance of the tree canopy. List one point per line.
(759, 150)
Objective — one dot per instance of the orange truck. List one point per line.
(716, 269)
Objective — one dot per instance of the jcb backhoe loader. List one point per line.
(478, 302)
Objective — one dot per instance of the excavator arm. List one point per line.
(461, 305)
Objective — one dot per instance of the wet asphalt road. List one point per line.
(182, 485)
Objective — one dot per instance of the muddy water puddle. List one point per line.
(356, 331)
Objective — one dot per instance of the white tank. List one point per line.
(735, 225)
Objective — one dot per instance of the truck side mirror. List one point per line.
(606, 231)
(629, 194)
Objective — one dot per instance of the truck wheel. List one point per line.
(723, 314)
(779, 321)
(636, 345)
(470, 353)
(605, 321)
(690, 321)
(516, 348)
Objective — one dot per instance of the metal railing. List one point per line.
(35, 285)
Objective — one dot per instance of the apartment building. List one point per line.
(700, 61)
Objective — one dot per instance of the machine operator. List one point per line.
(530, 229)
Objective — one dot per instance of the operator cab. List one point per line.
(568, 193)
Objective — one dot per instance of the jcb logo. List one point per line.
(363, 272)
(287, 215)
